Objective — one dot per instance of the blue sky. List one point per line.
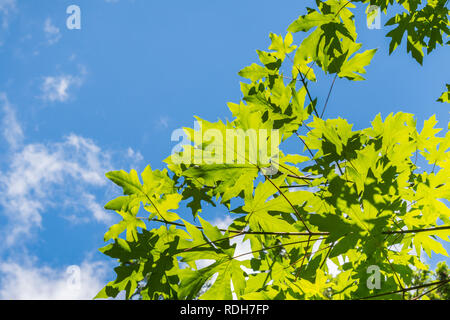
(77, 103)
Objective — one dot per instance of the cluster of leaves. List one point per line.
(425, 23)
(440, 280)
(352, 198)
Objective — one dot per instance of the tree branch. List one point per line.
(277, 246)
(246, 232)
(290, 203)
(407, 289)
(305, 85)
(328, 96)
(417, 230)
(324, 233)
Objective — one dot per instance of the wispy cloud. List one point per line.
(39, 177)
(24, 280)
(136, 156)
(7, 7)
(12, 131)
(163, 122)
(40, 174)
(42, 179)
(96, 209)
(52, 32)
(56, 88)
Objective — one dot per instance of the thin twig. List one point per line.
(325, 233)
(274, 247)
(310, 152)
(417, 230)
(328, 97)
(305, 85)
(427, 292)
(246, 232)
(326, 256)
(304, 257)
(288, 201)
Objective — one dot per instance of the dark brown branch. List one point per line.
(295, 186)
(393, 270)
(346, 4)
(325, 233)
(288, 201)
(277, 246)
(340, 169)
(248, 232)
(310, 152)
(407, 289)
(427, 292)
(300, 177)
(328, 96)
(327, 247)
(303, 260)
(417, 230)
(326, 256)
(302, 79)
(213, 241)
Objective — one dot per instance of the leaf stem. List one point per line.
(288, 201)
(303, 260)
(305, 85)
(328, 96)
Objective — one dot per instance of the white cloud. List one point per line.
(333, 268)
(136, 156)
(223, 223)
(52, 32)
(163, 121)
(39, 174)
(24, 280)
(57, 88)
(40, 177)
(7, 7)
(11, 129)
(97, 210)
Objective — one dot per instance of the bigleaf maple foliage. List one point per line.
(356, 198)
